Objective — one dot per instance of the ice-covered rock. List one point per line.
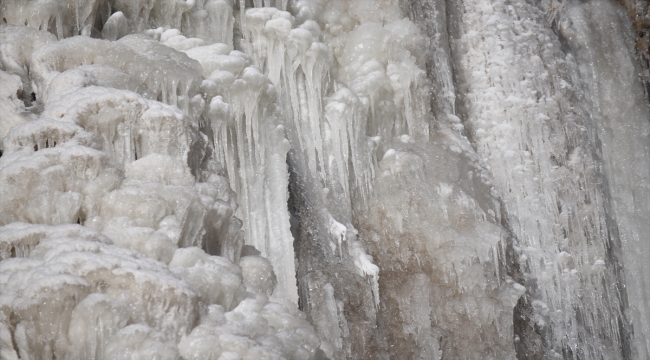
(423, 179)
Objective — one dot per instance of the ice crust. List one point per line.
(424, 179)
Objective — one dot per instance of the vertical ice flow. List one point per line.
(599, 35)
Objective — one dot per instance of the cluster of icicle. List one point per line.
(118, 236)
(458, 183)
(123, 92)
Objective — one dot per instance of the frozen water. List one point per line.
(621, 126)
(522, 113)
(302, 179)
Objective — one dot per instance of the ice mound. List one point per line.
(63, 270)
(132, 54)
(98, 18)
(258, 273)
(255, 329)
(90, 299)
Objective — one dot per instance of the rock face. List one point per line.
(342, 179)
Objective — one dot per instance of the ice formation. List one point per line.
(324, 179)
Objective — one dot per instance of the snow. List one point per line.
(422, 179)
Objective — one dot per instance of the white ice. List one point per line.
(424, 179)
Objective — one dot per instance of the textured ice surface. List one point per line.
(423, 179)
(621, 126)
(113, 207)
(523, 115)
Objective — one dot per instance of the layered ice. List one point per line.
(115, 210)
(219, 179)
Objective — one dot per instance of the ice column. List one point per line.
(250, 140)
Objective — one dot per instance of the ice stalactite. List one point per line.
(62, 18)
(330, 154)
(211, 20)
(243, 117)
(386, 106)
(252, 145)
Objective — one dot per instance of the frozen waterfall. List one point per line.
(324, 179)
